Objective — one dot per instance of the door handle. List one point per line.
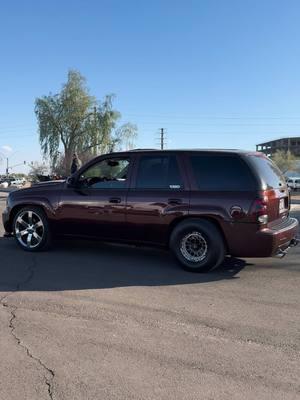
(115, 200)
(174, 201)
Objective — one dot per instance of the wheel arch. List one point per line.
(16, 208)
(215, 221)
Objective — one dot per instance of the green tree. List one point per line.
(74, 121)
(285, 160)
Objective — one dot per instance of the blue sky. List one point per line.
(213, 73)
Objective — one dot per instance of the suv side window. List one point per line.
(158, 172)
(221, 173)
(106, 174)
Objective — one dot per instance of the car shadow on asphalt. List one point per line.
(77, 265)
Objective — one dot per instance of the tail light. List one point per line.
(259, 210)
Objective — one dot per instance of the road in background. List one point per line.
(98, 321)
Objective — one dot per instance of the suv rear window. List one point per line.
(222, 173)
(268, 172)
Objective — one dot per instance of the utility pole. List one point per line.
(13, 166)
(162, 138)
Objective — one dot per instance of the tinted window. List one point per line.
(158, 172)
(268, 172)
(106, 174)
(221, 173)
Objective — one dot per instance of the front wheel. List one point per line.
(31, 229)
(198, 245)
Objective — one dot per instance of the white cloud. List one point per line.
(7, 149)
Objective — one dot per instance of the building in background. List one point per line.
(291, 144)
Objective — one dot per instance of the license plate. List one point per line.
(282, 205)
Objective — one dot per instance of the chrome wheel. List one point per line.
(194, 247)
(29, 229)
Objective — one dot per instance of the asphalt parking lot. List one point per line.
(97, 321)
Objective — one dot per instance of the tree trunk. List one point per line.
(68, 160)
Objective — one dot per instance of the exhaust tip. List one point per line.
(281, 253)
(294, 242)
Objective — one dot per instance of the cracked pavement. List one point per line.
(98, 321)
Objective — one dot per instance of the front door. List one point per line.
(96, 205)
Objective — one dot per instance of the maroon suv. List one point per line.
(202, 204)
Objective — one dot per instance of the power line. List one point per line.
(212, 117)
(16, 136)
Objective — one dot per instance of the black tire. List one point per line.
(210, 248)
(42, 231)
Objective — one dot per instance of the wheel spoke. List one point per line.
(37, 236)
(30, 217)
(22, 233)
(29, 239)
(38, 225)
(22, 222)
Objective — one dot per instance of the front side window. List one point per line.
(106, 174)
(158, 172)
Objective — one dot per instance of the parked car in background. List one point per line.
(19, 182)
(201, 204)
(12, 182)
(4, 184)
(294, 183)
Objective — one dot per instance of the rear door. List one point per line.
(159, 194)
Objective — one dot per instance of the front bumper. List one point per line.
(6, 222)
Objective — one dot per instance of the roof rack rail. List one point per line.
(142, 149)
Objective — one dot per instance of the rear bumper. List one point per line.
(247, 241)
(280, 238)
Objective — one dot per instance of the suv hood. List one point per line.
(49, 185)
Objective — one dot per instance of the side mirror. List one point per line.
(71, 181)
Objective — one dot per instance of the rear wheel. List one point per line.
(31, 229)
(198, 245)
